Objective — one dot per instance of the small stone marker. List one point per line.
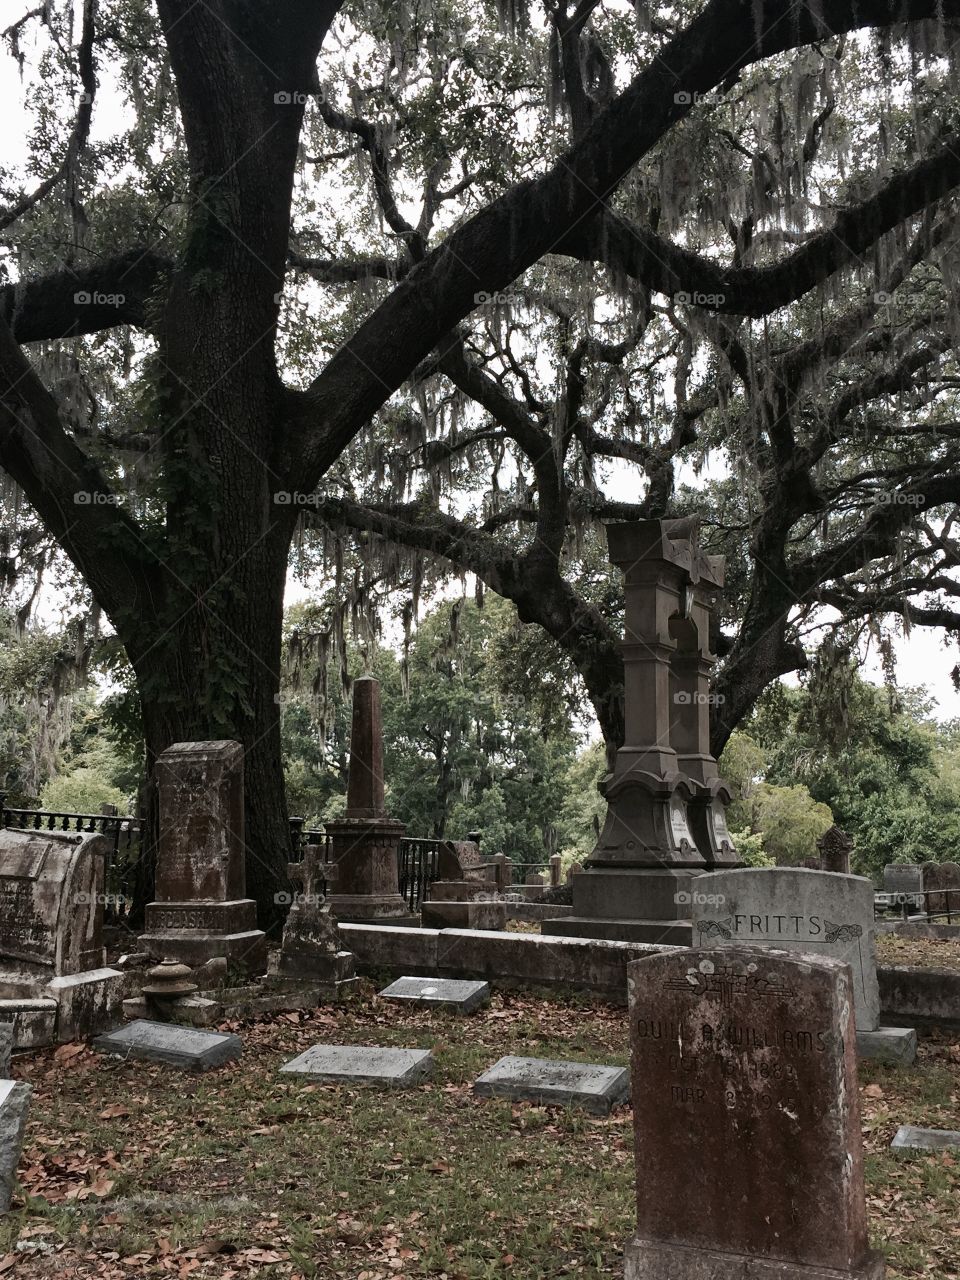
(902, 877)
(174, 1045)
(746, 1116)
(450, 993)
(14, 1103)
(343, 1063)
(909, 1138)
(596, 1088)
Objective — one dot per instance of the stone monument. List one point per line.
(746, 1119)
(835, 848)
(311, 951)
(665, 801)
(364, 843)
(54, 983)
(201, 909)
(819, 912)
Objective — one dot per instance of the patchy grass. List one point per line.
(928, 953)
(135, 1170)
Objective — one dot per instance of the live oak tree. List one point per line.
(167, 245)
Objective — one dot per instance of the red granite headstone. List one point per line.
(746, 1119)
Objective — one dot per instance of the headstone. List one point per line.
(364, 843)
(746, 1119)
(902, 877)
(666, 803)
(595, 1088)
(359, 1064)
(168, 1043)
(201, 909)
(835, 849)
(555, 871)
(909, 1138)
(450, 993)
(14, 1104)
(311, 949)
(795, 910)
(51, 937)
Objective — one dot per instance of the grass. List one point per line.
(136, 1170)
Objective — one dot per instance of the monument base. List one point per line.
(370, 908)
(659, 1260)
(464, 915)
(195, 932)
(896, 1045)
(630, 904)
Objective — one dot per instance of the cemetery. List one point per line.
(479, 701)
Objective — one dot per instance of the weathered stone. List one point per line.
(902, 877)
(459, 995)
(797, 910)
(6, 1049)
(464, 915)
(311, 945)
(14, 1104)
(201, 910)
(360, 1064)
(51, 901)
(171, 1044)
(461, 890)
(896, 1045)
(86, 1002)
(746, 1119)
(584, 1084)
(34, 1021)
(835, 849)
(909, 1138)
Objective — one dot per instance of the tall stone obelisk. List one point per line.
(364, 843)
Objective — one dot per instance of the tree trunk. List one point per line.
(213, 672)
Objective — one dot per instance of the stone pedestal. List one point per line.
(201, 909)
(665, 802)
(364, 844)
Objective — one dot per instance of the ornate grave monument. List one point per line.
(835, 848)
(665, 800)
(364, 843)
(54, 983)
(746, 1119)
(311, 952)
(201, 910)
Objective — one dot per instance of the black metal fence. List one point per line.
(418, 859)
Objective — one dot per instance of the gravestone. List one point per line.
(835, 849)
(595, 1088)
(364, 843)
(311, 948)
(54, 982)
(451, 993)
(910, 1138)
(941, 882)
(666, 803)
(749, 1154)
(201, 910)
(340, 1063)
(902, 877)
(818, 912)
(14, 1105)
(168, 1043)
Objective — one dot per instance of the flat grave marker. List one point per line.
(169, 1043)
(449, 993)
(910, 1138)
(585, 1084)
(359, 1064)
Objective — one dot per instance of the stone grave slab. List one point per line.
(896, 1045)
(171, 1044)
(360, 1064)
(910, 1138)
(14, 1104)
(584, 1084)
(449, 993)
(746, 1111)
